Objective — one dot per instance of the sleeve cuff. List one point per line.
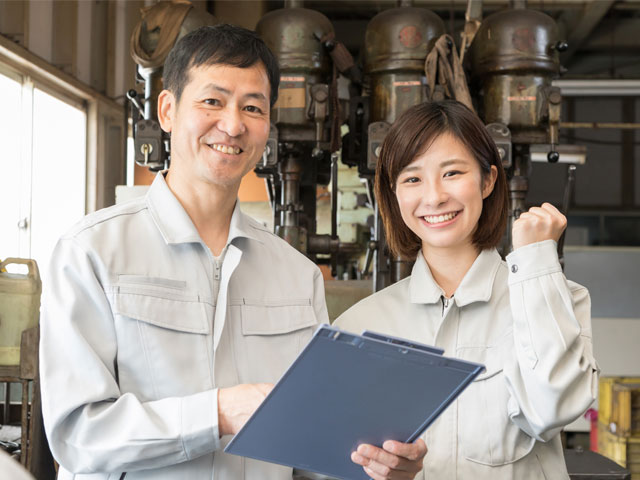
(200, 423)
(533, 260)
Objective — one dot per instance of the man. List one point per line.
(164, 317)
(10, 468)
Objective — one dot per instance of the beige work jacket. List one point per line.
(530, 327)
(135, 344)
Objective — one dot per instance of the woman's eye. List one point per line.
(452, 173)
(411, 180)
(212, 101)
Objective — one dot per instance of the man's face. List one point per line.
(220, 125)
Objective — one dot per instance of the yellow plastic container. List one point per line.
(618, 399)
(623, 450)
(19, 307)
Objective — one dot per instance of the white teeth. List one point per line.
(226, 149)
(439, 218)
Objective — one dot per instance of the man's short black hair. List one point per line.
(219, 44)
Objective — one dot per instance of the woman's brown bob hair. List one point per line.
(411, 135)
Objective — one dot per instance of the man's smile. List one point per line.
(228, 149)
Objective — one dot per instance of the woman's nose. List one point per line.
(434, 194)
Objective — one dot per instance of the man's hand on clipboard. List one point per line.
(395, 460)
(237, 404)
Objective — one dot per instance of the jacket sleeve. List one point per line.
(555, 377)
(91, 426)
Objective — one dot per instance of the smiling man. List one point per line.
(166, 320)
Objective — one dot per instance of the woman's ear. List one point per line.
(166, 109)
(489, 182)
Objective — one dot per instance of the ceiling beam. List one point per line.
(581, 25)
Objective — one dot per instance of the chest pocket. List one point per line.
(485, 432)
(270, 336)
(164, 338)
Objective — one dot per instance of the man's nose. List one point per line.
(231, 122)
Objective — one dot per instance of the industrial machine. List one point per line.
(304, 138)
(512, 60)
(397, 42)
(160, 27)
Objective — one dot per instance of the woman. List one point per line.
(442, 194)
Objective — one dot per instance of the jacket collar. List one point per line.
(176, 226)
(476, 286)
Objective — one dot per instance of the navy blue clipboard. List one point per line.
(344, 390)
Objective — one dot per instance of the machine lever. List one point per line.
(371, 249)
(568, 193)
(132, 95)
(146, 149)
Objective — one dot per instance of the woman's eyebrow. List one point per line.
(410, 168)
(453, 161)
(446, 163)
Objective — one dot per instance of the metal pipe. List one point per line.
(323, 243)
(590, 88)
(334, 195)
(152, 88)
(290, 195)
(621, 126)
(380, 269)
(400, 268)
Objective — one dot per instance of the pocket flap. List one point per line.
(185, 314)
(270, 319)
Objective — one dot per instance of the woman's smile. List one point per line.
(441, 220)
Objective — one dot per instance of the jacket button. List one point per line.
(514, 268)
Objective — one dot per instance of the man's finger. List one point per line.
(383, 462)
(410, 451)
(359, 459)
(374, 475)
(383, 459)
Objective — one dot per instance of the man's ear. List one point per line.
(489, 182)
(167, 106)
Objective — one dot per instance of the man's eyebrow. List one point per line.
(213, 86)
(225, 91)
(256, 96)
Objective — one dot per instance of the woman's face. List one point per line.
(440, 194)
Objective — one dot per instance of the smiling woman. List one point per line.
(451, 139)
(442, 194)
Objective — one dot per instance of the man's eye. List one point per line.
(212, 101)
(253, 109)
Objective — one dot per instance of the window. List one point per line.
(43, 163)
